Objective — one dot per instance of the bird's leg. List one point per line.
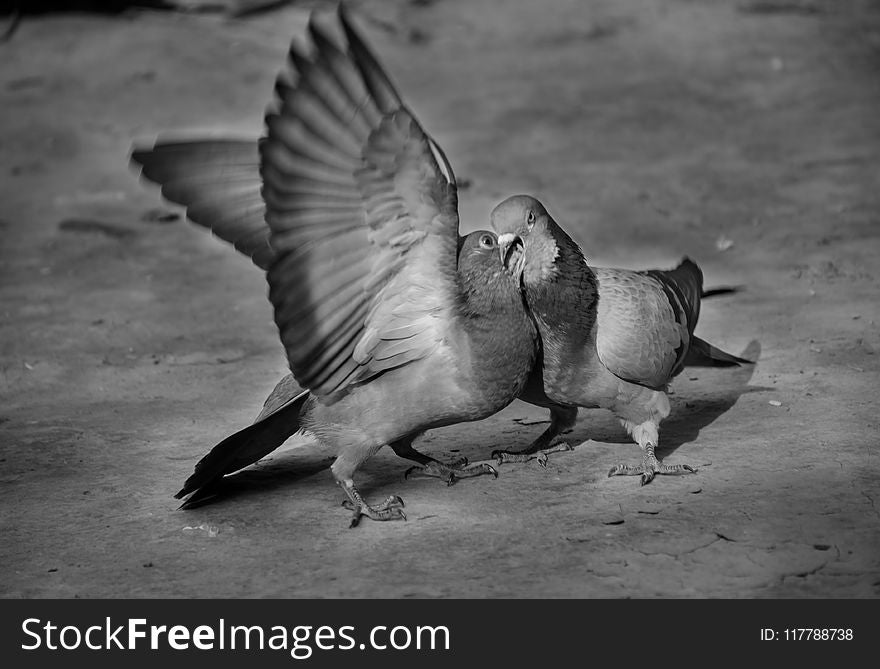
(351, 456)
(562, 420)
(449, 473)
(390, 509)
(646, 435)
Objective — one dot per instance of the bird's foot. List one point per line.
(650, 467)
(390, 509)
(505, 457)
(452, 472)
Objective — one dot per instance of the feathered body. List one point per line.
(477, 368)
(611, 338)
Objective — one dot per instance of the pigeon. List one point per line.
(610, 338)
(392, 322)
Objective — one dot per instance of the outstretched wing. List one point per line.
(362, 208)
(646, 321)
(218, 181)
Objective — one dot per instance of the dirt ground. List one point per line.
(743, 134)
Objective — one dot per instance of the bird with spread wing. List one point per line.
(391, 321)
(610, 338)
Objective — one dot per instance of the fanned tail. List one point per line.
(242, 449)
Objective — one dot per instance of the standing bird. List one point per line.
(392, 322)
(611, 338)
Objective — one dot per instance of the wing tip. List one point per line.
(142, 155)
(138, 156)
(320, 35)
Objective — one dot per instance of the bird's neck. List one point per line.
(498, 326)
(492, 303)
(565, 311)
(567, 299)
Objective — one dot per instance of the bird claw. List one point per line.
(505, 457)
(451, 474)
(649, 468)
(390, 509)
(541, 455)
(390, 501)
(676, 470)
(382, 512)
(476, 470)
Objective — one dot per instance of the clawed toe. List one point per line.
(507, 457)
(390, 509)
(649, 468)
(391, 502)
(474, 470)
(450, 474)
(676, 469)
(541, 455)
(377, 513)
(625, 470)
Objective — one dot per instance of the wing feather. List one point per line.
(362, 215)
(642, 333)
(218, 181)
(347, 202)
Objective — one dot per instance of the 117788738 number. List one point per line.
(817, 634)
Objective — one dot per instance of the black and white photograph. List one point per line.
(440, 299)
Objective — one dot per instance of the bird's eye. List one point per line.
(487, 241)
(530, 219)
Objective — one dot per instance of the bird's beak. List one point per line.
(512, 253)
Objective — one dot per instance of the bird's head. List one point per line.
(527, 238)
(478, 257)
(482, 269)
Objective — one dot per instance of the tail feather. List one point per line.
(721, 290)
(242, 449)
(687, 280)
(702, 354)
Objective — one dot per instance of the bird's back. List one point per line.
(646, 321)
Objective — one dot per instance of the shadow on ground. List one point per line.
(690, 415)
